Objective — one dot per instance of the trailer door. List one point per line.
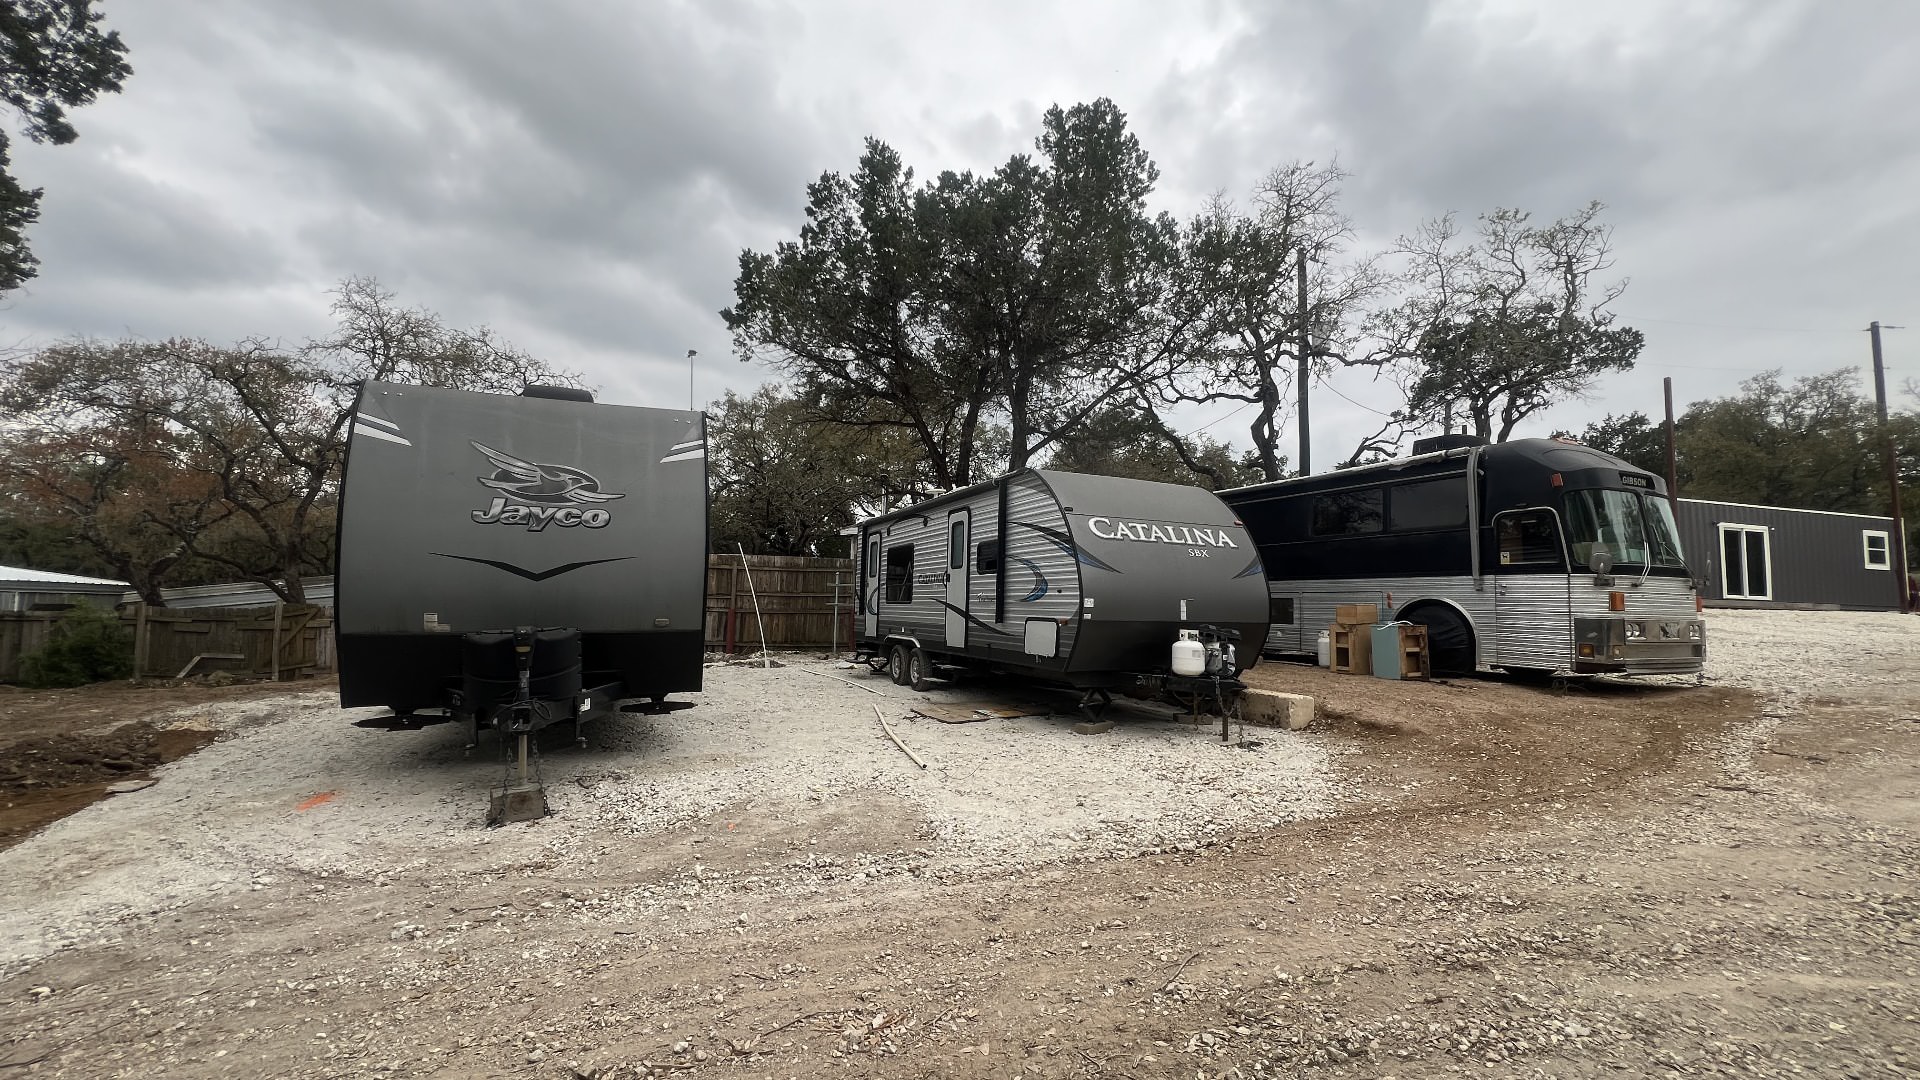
(959, 526)
(870, 588)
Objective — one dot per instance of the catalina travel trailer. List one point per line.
(519, 561)
(1087, 581)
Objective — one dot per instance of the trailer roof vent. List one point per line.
(1433, 444)
(558, 393)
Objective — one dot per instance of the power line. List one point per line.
(1224, 416)
(1355, 404)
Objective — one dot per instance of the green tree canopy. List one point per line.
(53, 57)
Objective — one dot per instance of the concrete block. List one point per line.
(520, 802)
(1085, 728)
(1270, 708)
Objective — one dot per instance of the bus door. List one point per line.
(1533, 623)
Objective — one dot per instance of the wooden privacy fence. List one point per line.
(805, 603)
(283, 641)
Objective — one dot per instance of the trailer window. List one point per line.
(1280, 610)
(1346, 513)
(986, 557)
(1429, 504)
(873, 558)
(1527, 538)
(900, 574)
(957, 545)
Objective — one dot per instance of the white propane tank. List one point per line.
(1189, 656)
(1325, 649)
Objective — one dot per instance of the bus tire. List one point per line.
(1449, 639)
(897, 663)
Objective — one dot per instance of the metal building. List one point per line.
(1776, 556)
(22, 589)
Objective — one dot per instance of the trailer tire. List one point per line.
(897, 663)
(919, 670)
(1450, 646)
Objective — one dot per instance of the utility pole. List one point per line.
(691, 353)
(1898, 556)
(1300, 301)
(1673, 473)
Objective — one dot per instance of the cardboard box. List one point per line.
(1357, 614)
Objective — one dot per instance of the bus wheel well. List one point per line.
(1451, 644)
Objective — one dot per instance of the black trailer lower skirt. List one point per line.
(416, 671)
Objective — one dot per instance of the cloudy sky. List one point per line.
(582, 175)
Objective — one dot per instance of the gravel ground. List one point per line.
(773, 743)
(1482, 878)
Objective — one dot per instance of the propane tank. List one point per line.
(1189, 656)
(1325, 649)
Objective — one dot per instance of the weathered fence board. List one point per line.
(167, 640)
(805, 603)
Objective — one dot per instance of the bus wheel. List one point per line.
(897, 664)
(1449, 639)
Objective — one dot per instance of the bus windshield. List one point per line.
(1625, 524)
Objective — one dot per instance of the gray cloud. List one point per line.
(582, 176)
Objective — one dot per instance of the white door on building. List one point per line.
(1746, 562)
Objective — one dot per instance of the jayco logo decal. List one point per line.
(1184, 535)
(539, 495)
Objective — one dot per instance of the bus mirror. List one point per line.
(1600, 562)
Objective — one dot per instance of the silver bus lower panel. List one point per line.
(1518, 620)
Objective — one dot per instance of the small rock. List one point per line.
(536, 1056)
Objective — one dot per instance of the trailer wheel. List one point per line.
(919, 670)
(1449, 638)
(897, 664)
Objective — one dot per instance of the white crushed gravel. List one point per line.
(242, 813)
(786, 743)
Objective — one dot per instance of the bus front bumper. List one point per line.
(1638, 646)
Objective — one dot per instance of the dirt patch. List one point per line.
(1470, 739)
(27, 713)
(44, 778)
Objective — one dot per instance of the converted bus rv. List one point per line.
(1537, 555)
(519, 561)
(1082, 580)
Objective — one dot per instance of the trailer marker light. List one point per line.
(1698, 603)
(1616, 601)
(1557, 480)
(1586, 649)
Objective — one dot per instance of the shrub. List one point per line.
(87, 645)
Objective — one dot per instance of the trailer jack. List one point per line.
(524, 799)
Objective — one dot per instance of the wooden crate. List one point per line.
(1352, 648)
(1400, 652)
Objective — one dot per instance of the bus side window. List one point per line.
(1527, 538)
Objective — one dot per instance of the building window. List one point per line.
(900, 574)
(1746, 562)
(1347, 513)
(1879, 549)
